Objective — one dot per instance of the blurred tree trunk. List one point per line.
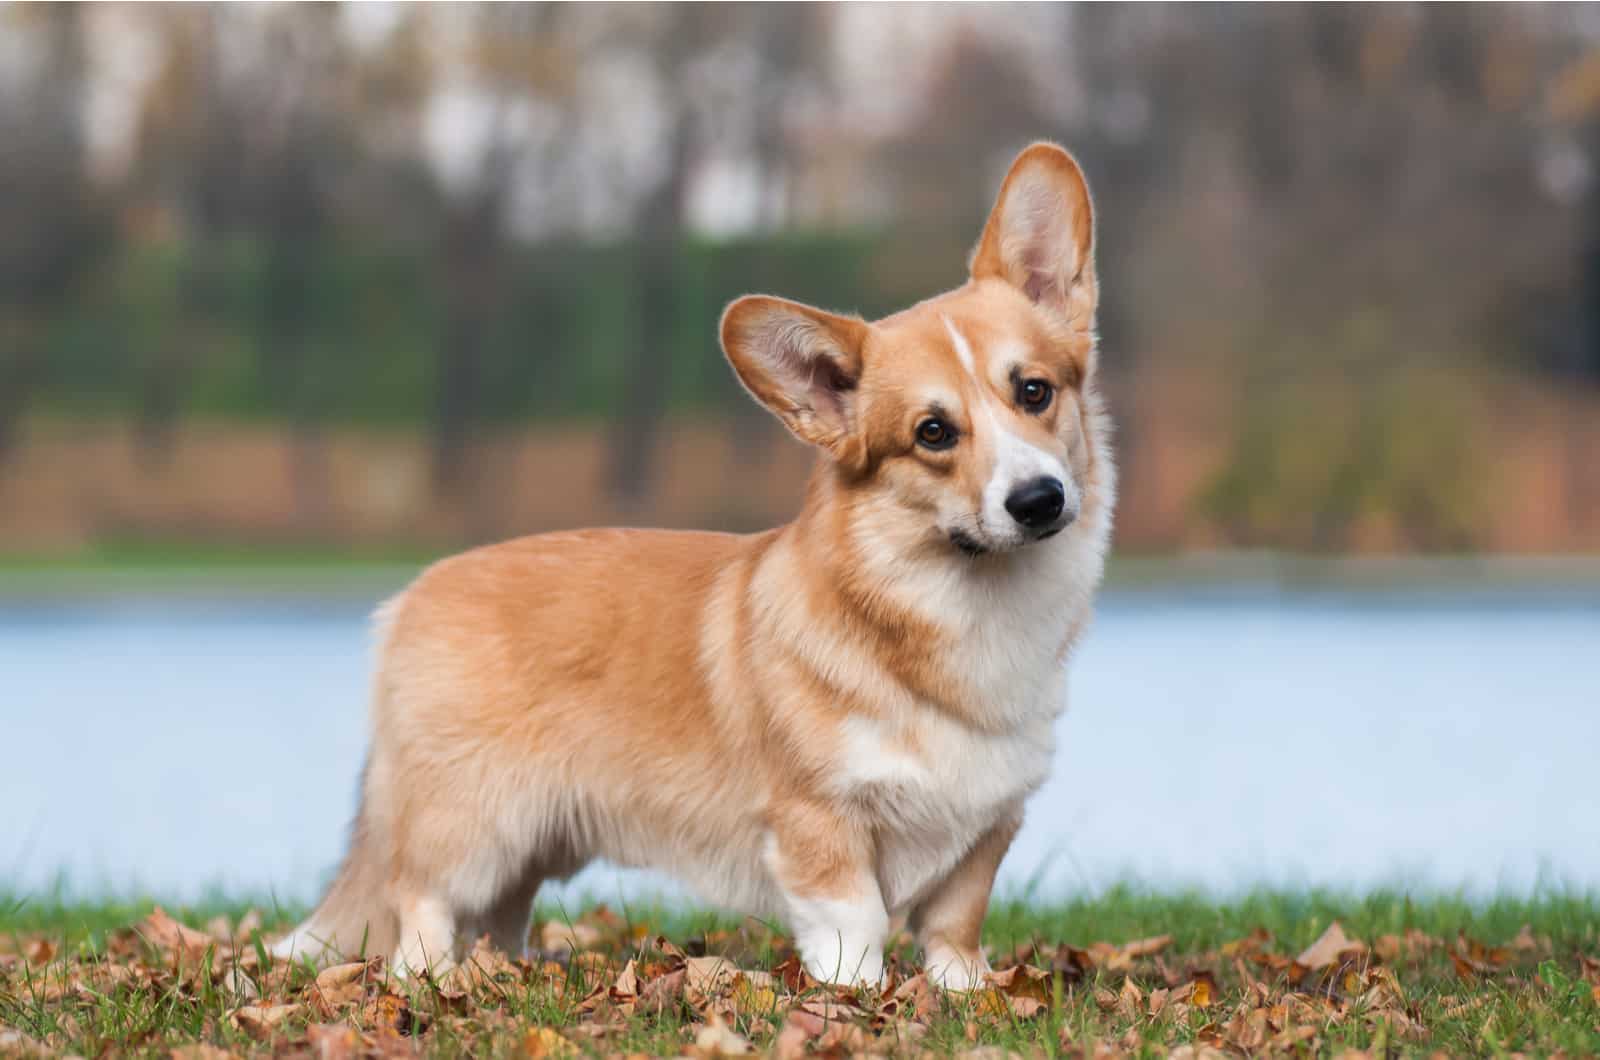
(19, 373)
(647, 371)
(473, 258)
(51, 229)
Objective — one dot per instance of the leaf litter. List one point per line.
(602, 986)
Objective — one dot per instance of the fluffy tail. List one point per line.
(354, 918)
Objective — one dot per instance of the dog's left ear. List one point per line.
(1040, 235)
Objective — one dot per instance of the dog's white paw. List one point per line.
(953, 970)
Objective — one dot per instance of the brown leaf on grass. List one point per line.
(1204, 992)
(1258, 939)
(663, 994)
(790, 1044)
(707, 975)
(826, 1026)
(1247, 1030)
(543, 1042)
(15, 1043)
(38, 951)
(263, 1021)
(333, 1041)
(1118, 958)
(1329, 948)
(165, 933)
(1130, 999)
(556, 935)
(1147, 947)
(1485, 958)
(718, 1039)
(627, 984)
(1158, 1000)
(919, 993)
(342, 985)
(755, 993)
(483, 966)
(1197, 1052)
(1022, 981)
(392, 1013)
(197, 1051)
(793, 975)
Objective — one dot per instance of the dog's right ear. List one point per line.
(802, 363)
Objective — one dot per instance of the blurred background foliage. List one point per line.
(376, 275)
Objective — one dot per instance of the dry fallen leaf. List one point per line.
(341, 985)
(546, 1042)
(262, 1021)
(556, 936)
(718, 1039)
(197, 1051)
(165, 933)
(663, 994)
(333, 1041)
(1024, 988)
(709, 974)
(1326, 950)
(392, 1013)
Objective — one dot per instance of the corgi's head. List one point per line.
(963, 420)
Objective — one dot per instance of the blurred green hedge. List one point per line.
(358, 334)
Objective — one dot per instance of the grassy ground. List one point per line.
(1124, 973)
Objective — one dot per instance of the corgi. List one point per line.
(835, 723)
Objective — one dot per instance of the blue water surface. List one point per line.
(1220, 739)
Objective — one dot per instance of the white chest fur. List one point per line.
(937, 782)
(935, 792)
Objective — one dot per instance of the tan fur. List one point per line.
(836, 721)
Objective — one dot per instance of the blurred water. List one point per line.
(170, 746)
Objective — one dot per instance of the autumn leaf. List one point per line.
(165, 933)
(1328, 948)
(718, 1039)
(263, 1021)
(342, 985)
(709, 974)
(197, 1051)
(333, 1041)
(542, 1042)
(556, 936)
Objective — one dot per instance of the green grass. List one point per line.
(1539, 994)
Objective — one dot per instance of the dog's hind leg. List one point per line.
(508, 918)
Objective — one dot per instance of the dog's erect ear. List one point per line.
(1040, 235)
(802, 363)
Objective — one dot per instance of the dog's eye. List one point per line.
(1035, 394)
(934, 433)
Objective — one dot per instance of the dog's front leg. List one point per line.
(948, 923)
(824, 869)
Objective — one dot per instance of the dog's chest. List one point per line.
(934, 789)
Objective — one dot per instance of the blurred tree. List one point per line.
(189, 165)
(54, 228)
(667, 41)
(517, 69)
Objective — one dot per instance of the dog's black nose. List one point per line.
(1037, 502)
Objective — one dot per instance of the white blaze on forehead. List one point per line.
(963, 348)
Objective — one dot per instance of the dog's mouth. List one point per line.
(966, 544)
